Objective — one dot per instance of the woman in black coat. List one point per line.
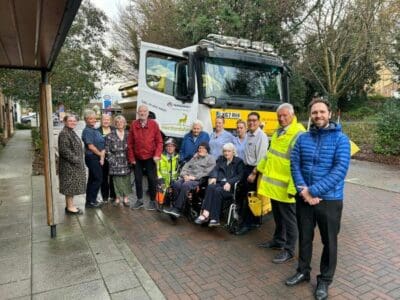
(228, 171)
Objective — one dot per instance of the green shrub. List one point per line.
(361, 133)
(359, 114)
(36, 139)
(1, 130)
(388, 129)
(21, 126)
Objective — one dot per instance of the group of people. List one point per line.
(301, 172)
(110, 154)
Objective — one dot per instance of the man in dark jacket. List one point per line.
(145, 146)
(319, 163)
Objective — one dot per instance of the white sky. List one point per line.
(110, 7)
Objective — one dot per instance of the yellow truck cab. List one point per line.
(218, 76)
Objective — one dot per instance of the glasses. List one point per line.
(252, 120)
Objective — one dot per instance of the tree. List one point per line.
(342, 42)
(181, 23)
(79, 70)
(151, 21)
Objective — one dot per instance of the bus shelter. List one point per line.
(32, 33)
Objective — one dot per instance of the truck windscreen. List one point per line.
(238, 80)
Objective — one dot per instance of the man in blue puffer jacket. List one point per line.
(319, 163)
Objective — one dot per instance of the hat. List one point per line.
(170, 141)
(205, 145)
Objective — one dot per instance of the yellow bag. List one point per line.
(259, 205)
(353, 148)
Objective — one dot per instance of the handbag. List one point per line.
(259, 205)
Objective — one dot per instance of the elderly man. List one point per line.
(319, 163)
(254, 150)
(145, 146)
(192, 140)
(277, 184)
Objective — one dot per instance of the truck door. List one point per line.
(163, 87)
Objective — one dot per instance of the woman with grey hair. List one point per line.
(94, 158)
(71, 168)
(116, 151)
(192, 140)
(228, 171)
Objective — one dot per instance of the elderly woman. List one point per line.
(219, 137)
(228, 171)
(192, 140)
(199, 166)
(117, 156)
(71, 172)
(241, 138)
(94, 158)
(107, 187)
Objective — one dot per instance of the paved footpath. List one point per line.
(123, 254)
(87, 259)
(190, 262)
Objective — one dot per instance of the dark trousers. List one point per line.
(95, 178)
(181, 188)
(215, 196)
(248, 218)
(327, 214)
(107, 186)
(150, 167)
(285, 234)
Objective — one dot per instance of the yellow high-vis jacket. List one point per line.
(276, 181)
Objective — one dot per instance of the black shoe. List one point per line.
(138, 204)
(93, 205)
(321, 292)
(243, 230)
(297, 278)
(151, 205)
(68, 212)
(173, 211)
(282, 257)
(270, 245)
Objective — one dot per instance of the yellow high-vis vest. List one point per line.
(276, 181)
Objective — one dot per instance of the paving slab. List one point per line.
(89, 290)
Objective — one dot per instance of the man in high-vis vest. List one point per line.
(277, 184)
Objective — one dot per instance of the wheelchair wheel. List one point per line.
(173, 218)
(192, 214)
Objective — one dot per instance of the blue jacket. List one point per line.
(189, 146)
(320, 160)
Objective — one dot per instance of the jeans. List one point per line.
(95, 178)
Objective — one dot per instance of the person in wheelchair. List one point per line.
(199, 166)
(228, 171)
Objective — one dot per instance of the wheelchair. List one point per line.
(229, 212)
